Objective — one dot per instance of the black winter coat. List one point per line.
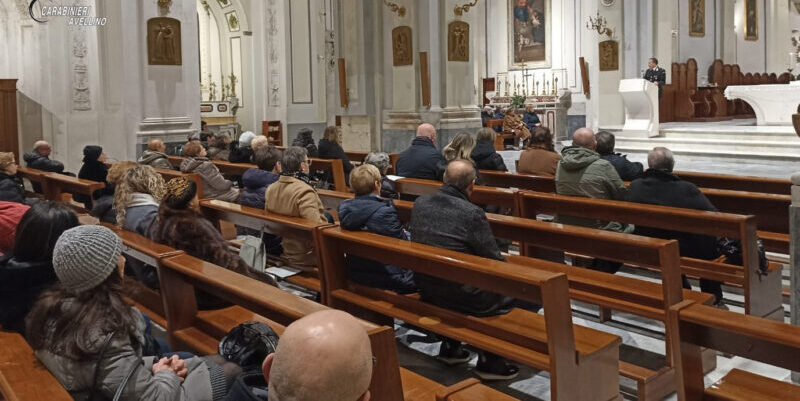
(658, 187)
(96, 171)
(104, 210)
(39, 162)
(421, 160)
(626, 169)
(331, 150)
(20, 286)
(238, 154)
(486, 157)
(447, 219)
(11, 189)
(378, 216)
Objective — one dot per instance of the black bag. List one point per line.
(249, 386)
(248, 344)
(732, 250)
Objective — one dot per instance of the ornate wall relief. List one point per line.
(81, 93)
(401, 46)
(609, 55)
(273, 56)
(458, 41)
(164, 41)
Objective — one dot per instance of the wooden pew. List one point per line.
(58, 184)
(482, 195)
(737, 182)
(762, 293)
(272, 223)
(201, 331)
(504, 179)
(776, 343)
(34, 176)
(22, 376)
(582, 362)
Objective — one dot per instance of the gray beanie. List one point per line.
(85, 256)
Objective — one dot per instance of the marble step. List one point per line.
(749, 149)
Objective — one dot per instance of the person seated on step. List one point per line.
(447, 219)
(215, 186)
(539, 157)
(659, 186)
(155, 155)
(323, 356)
(369, 212)
(382, 162)
(293, 195)
(626, 169)
(421, 159)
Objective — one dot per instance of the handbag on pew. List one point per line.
(254, 254)
(248, 344)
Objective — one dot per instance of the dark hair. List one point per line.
(605, 142)
(205, 135)
(541, 137)
(39, 229)
(654, 60)
(267, 158)
(71, 329)
(203, 124)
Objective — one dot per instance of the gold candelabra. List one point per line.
(461, 10)
(395, 8)
(599, 24)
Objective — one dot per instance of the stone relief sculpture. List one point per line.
(609, 55)
(164, 41)
(458, 41)
(697, 18)
(81, 94)
(233, 21)
(402, 52)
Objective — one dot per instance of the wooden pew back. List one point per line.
(481, 195)
(22, 376)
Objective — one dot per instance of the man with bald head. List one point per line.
(323, 356)
(422, 159)
(155, 155)
(447, 219)
(39, 158)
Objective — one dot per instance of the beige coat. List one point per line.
(538, 161)
(292, 197)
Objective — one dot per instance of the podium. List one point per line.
(641, 107)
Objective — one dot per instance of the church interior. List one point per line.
(494, 199)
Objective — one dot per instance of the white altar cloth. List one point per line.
(773, 104)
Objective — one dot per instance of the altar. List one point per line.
(773, 104)
(552, 110)
(221, 115)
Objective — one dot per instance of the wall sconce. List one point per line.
(599, 24)
(395, 8)
(461, 10)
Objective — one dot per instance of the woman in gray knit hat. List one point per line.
(91, 340)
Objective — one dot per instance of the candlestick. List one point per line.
(555, 89)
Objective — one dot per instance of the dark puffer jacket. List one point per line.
(39, 162)
(255, 182)
(20, 285)
(378, 216)
(11, 189)
(486, 157)
(421, 160)
(447, 219)
(626, 169)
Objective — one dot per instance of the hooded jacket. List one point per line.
(448, 220)
(627, 170)
(255, 183)
(20, 285)
(11, 188)
(155, 160)
(215, 186)
(95, 171)
(581, 172)
(486, 157)
(378, 216)
(421, 160)
(39, 162)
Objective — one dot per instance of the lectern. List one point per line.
(641, 107)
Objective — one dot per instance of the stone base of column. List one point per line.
(399, 129)
(174, 131)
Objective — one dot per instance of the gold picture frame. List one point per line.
(751, 20)
(697, 18)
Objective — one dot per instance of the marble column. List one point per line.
(794, 253)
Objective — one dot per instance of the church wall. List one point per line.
(750, 55)
(704, 49)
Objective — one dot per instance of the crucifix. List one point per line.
(525, 76)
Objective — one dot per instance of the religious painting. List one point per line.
(609, 55)
(750, 19)
(697, 18)
(458, 41)
(164, 41)
(401, 46)
(529, 33)
(233, 21)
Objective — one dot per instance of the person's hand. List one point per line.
(162, 364)
(179, 367)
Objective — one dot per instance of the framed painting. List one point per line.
(750, 19)
(697, 18)
(529, 36)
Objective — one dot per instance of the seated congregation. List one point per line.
(63, 276)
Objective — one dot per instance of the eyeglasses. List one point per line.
(307, 161)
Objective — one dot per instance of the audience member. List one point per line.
(39, 158)
(421, 159)
(330, 147)
(659, 186)
(10, 215)
(138, 197)
(260, 141)
(460, 148)
(257, 180)
(219, 149)
(94, 169)
(83, 325)
(487, 113)
(627, 170)
(447, 219)
(243, 152)
(484, 155)
(368, 212)
(294, 196)
(103, 207)
(205, 133)
(28, 269)
(156, 155)
(513, 123)
(305, 140)
(215, 186)
(531, 119)
(382, 162)
(540, 157)
(11, 188)
(323, 356)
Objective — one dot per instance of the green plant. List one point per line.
(517, 102)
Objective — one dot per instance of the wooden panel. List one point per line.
(22, 376)
(9, 133)
(425, 79)
(344, 101)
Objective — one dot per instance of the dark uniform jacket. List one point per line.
(657, 76)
